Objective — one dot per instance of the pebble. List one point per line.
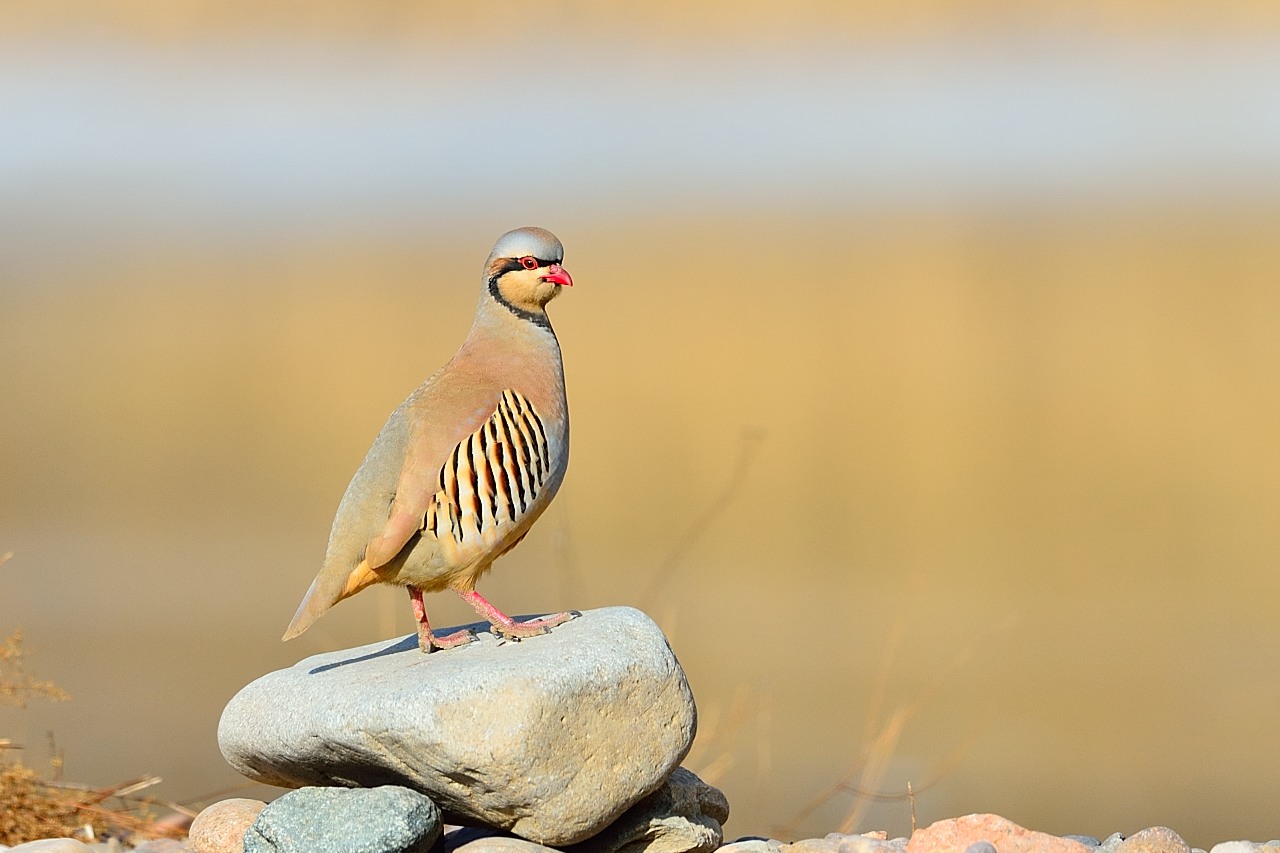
(959, 833)
(1157, 839)
(503, 844)
(750, 845)
(837, 843)
(386, 819)
(221, 827)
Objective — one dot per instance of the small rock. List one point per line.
(52, 845)
(386, 819)
(835, 842)
(946, 836)
(868, 842)
(981, 847)
(1087, 840)
(1157, 839)
(750, 845)
(552, 738)
(1111, 842)
(685, 815)
(502, 844)
(220, 828)
(1246, 847)
(812, 845)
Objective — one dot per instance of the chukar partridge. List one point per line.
(464, 467)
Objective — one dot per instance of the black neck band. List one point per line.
(537, 318)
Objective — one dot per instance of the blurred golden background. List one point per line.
(923, 364)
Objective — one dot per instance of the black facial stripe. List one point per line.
(513, 264)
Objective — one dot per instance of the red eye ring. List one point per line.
(529, 263)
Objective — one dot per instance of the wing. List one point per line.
(344, 571)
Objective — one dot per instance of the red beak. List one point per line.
(559, 275)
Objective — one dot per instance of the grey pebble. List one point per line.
(1087, 840)
(387, 819)
(980, 847)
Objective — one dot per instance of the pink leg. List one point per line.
(508, 627)
(428, 641)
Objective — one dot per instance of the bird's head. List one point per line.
(524, 270)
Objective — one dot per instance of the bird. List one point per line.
(467, 463)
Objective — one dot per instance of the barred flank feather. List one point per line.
(493, 476)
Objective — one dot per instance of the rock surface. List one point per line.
(551, 738)
(1157, 839)
(752, 845)
(956, 834)
(502, 844)
(838, 843)
(685, 815)
(220, 827)
(387, 819)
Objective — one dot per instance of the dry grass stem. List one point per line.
(712, 757)
(863, 781)
(32, 808)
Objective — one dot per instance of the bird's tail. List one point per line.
(325, 592)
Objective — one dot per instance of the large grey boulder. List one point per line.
(551, 738)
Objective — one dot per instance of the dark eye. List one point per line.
(529, 263)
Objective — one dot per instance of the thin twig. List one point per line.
(130, 822)
(866, 764)
(748, 442)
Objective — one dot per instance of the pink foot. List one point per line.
(427, 641)
(507, 627)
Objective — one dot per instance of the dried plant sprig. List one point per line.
(17, 686)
